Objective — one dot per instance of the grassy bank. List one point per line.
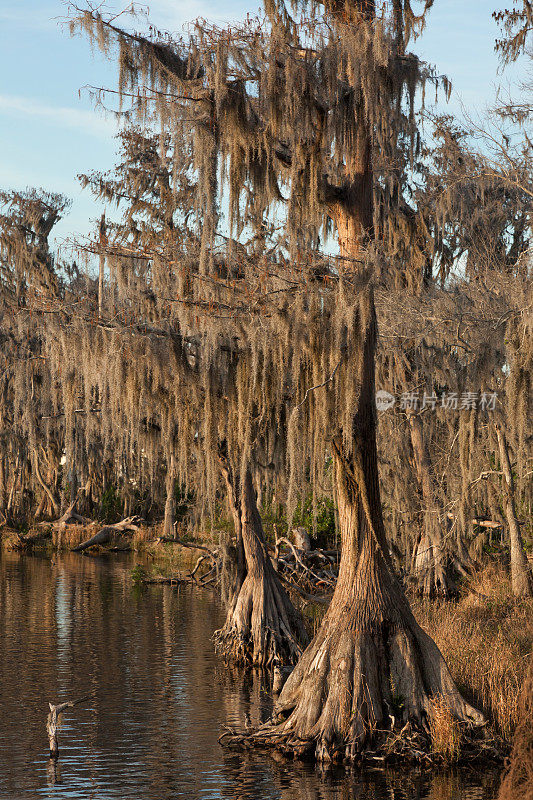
(161, 558)
(486, 638)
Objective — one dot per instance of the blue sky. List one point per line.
(49, 132)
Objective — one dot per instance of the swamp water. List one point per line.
(161, 697)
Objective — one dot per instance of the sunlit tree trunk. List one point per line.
(233, 494)
(352, 208)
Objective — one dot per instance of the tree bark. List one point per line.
(521, 578)
(262, 626)
(352, 210)
(170, 504)
(436, 556)
(233, 494)
(370, 668)
(518, 780)
(101, 270)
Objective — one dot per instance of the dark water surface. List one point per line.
(161, 697)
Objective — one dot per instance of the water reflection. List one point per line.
(160, 698)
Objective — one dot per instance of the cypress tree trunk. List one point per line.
(429, 560)
(170, 504)
(233, 494)
(352, 208)
(262, 625)
(370, 668)
(101, 270)
(521, 578)
(3, 486)
(436, 557)
(48, 506)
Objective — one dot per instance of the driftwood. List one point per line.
(104, 534)
(212, 576)
(53, 723)
(307, 597)
(299, 560)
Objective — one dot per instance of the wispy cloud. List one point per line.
(80, 119)
(41, 17)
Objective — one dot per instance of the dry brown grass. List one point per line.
(518, 780)
(444, 729)
(486, 639)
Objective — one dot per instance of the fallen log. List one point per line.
(320, 599)
(319, 578)
(104, 534)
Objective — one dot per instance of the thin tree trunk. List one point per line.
(429, 559)
(170, 504)
(101, 266)
(521, 578)
(436, 556)
(3, 486)
(53, 506)
(262, 626)
(15, 479)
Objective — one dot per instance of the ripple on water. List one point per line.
(160, 698)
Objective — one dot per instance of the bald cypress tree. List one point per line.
(304, 114)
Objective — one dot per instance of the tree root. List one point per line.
(365, 695)
(263, 627)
